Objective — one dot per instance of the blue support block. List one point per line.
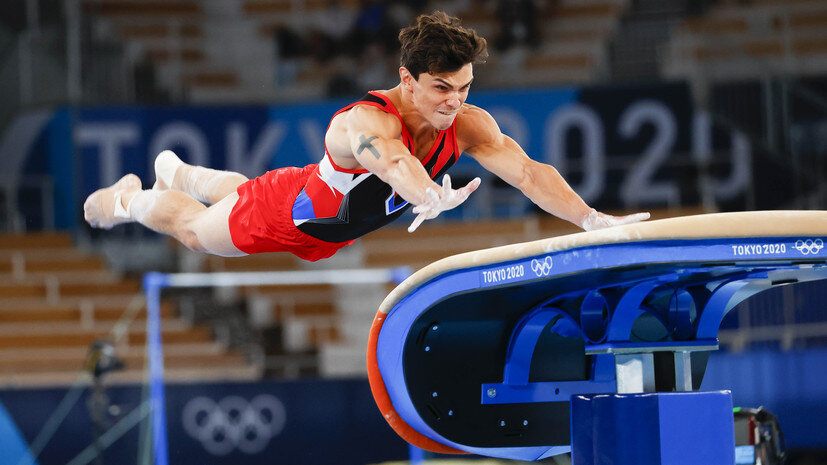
(671, 428)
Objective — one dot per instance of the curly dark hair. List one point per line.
(436, 43)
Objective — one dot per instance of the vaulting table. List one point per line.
(594, 342)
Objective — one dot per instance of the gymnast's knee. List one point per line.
(190, 240)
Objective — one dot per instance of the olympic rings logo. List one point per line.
(233, 423)
(809, 246)
(541, 268)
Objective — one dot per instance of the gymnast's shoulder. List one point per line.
(475, 126)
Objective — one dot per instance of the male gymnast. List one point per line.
(382, 155)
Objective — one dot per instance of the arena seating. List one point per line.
(294, 319)
(55, 301)
(186, 41)
(439, 240)
(737, 39)
(277, 305)
(575, 41)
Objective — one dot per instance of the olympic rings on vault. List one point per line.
(809, 246)
(541, 268)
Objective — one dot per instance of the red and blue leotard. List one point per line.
(340, 205)
(316, 210)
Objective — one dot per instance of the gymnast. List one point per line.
(382, 155)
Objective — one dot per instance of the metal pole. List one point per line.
(769, 116)
(786, 146)
(177, 59)
(33, 16)
(73, 51)
(416, 456)
(153, 282)
(113, 434)
(26, 50)
(25, 57)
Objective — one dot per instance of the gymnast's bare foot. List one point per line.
(103, 209)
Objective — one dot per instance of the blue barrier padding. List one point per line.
(676, 428)
(12, 444)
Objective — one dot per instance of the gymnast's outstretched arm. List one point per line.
(482, 139)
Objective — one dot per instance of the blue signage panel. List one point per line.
(302, 422)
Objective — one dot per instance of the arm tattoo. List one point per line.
(365, 144)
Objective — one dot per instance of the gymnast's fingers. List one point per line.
(471, 187)
(433, 196)
(417, 221)
(446, 184)
(634, 218)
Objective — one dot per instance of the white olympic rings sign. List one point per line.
(541, 268)
(809, 246)
(234, 423)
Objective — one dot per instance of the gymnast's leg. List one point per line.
(200, 228)
(203, 184)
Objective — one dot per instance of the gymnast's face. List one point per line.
(439, 97)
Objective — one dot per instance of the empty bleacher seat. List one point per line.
(738, 40)
(56, 300)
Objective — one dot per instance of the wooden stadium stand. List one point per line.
(733, 40)
(274, 14)
(55, 301)
(294, 320)
(301, 299)
(260, 262)
(433, 241)
(298, 300)
(575, 37)
(276, 9)
(163, 29)
(78, 310)
(308, 318)
(186, 42)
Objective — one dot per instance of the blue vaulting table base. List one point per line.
(676, 428)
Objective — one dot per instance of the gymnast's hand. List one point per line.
(596, 220)
(438, 202)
